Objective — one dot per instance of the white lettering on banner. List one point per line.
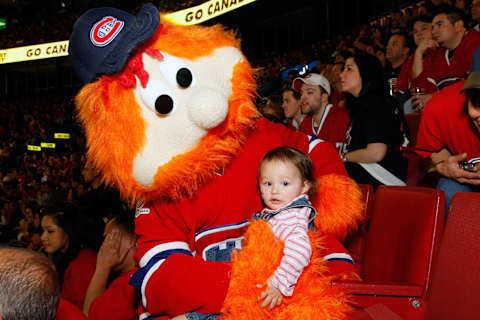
(50, 50)
(189, 16)
(205, 11)
(39, 51)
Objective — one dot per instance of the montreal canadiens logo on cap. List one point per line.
(105, 30)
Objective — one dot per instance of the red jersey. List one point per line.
(440, 70)
(405, 78)
(446, 124)
(119, 301)
(77, 277)
(332, 127)
(294, 125)
(67, 311)
(176, 239)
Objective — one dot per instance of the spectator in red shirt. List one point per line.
(117, 300)
(449, 134)
(326, 121)
(451, 58)
(421, 27)
(64, 239)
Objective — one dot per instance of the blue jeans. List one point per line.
(215, 253)
(201, 316)
(451, 186)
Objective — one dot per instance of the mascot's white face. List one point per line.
(179, 106)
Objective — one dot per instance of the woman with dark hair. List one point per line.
(64, 239)
(371, 153)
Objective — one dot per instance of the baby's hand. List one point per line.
(272, 296)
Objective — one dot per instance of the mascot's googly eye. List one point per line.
(184, 78)
(158, 97)
(164, 104)
(176, 71)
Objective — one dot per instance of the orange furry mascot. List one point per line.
(170, 121)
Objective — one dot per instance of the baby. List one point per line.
(285, 180)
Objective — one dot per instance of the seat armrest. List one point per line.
(380, 289)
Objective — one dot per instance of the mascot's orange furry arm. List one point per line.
(170, 121)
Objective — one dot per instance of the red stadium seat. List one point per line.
(355, 243)
(456, 276)
(402, 240)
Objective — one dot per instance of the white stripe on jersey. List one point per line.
(160, 248)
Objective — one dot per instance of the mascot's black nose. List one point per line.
(164, 104)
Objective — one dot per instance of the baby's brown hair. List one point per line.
(299, 159)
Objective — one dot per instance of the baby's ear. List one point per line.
(306, 186)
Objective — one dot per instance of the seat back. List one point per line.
(403, 235)
(455, 290)
(355, 242)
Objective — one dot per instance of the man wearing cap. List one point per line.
(449, 134)
(324, 121)
(451, 58)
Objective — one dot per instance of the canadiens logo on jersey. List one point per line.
(105, 31)
(140, 209)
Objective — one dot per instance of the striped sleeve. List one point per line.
(291, 226)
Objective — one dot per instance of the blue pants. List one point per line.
(451, 186)
(201, 316)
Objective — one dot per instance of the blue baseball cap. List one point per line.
(473, 79)
(103, 39)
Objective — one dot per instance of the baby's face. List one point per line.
(280, 183)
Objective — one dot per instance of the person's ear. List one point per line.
(325, 97)
(459, 26)
(306, 186)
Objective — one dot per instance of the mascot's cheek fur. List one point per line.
(313, 298)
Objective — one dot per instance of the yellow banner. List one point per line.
(194, 15)
(205, 11)
(34, 148)
(47, 145)
(35, 52)
(61, 135)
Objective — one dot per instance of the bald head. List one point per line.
(29, 288)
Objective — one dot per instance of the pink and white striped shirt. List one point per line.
(291, 226)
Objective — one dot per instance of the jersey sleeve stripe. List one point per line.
(162, 248)
(339, 257)
(140, 278)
